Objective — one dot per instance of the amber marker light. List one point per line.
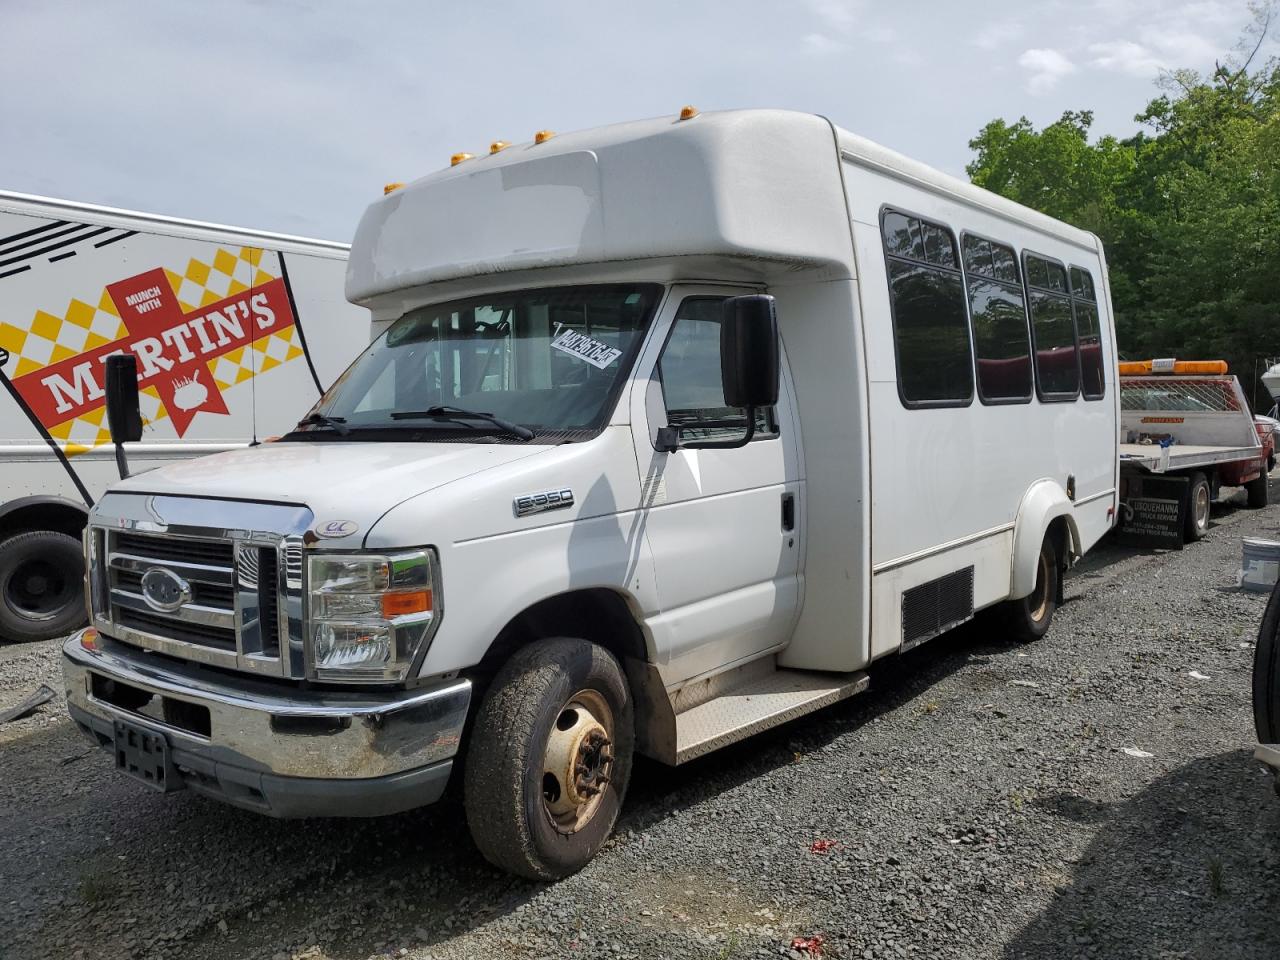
(401, 604)
(688, 112)
(457, 158)
(89, 638)
(391, 188)
(542, 136)
(499, 145)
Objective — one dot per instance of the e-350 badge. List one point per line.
(532, 503)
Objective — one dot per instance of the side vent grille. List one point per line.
(937, 606)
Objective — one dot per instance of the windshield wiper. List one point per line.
(458, 413)
(320, 420)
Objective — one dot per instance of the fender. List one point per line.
(24, 503)
(1044, 501)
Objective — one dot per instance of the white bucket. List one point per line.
(1261, 566)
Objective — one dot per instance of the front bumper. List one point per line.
(1269, 753)
(281, 751)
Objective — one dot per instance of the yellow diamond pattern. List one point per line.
(201, 284)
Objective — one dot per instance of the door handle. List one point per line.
(788, 512)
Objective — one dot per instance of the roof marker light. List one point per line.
(391, 188)
(457, 158)
(499, 145)
(688, 112)
(542, 136)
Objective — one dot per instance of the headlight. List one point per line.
(370, 616)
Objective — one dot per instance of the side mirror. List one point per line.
(124, 419)
(749, 351)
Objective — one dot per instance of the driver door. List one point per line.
(722, 524)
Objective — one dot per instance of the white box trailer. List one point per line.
(587, 494)
(236, 332)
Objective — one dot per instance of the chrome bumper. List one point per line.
(283, 751)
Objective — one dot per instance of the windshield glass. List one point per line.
(552, 360)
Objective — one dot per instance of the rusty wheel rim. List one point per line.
(577, 765)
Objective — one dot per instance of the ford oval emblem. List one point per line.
(336, 528)
(164, 590)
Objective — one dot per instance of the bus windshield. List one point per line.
(551, 360)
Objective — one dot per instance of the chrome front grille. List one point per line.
(224, 594)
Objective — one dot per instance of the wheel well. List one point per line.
(43, 515)
(1063, 540)
(599, 615)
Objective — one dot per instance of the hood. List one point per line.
(355, 483)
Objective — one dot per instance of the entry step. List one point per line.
(761, 702)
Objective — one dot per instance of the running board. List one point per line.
(760, 702)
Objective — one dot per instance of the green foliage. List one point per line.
(1188, 209)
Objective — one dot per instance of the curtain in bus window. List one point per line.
(931, 331)
(1000, 340)
(1056, 364)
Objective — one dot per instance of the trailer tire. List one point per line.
(1266, 673)
(1257, 492)
(1028, 618)
(41, 586)
(1199, 506)
(549, 758)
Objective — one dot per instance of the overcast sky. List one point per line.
(290, 115)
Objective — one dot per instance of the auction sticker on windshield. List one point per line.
(585, 348)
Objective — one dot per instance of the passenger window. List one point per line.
(1084, 302)
(1000, 339)
(689, 371)
(927, 302)
(1053, 329)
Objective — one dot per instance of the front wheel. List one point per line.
(41, 586)
(1028, 618)
(549, 759)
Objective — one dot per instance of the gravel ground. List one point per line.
(980, 799)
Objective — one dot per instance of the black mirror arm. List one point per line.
(669, 438)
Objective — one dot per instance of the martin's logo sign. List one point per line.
(174, 349)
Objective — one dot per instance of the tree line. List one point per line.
(1188, 209)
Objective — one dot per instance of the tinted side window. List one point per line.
(1084, 301)
(930, 325)
(1000, 339)
(689, 370)
(1052, 329)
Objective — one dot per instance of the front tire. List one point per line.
(1199, 505)
(41, 586)
(549, 759)
(1029, 617)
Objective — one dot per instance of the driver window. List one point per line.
(689, 371)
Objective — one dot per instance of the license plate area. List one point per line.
(144, 755)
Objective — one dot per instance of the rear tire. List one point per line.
(41, 586)
(559, 704)
(1258, 492)
(1266, 673)
(1028, 618)
(1198, 508)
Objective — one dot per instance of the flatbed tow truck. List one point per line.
(1185, 432)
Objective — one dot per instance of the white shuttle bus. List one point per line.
(236, 333)
(668, 431)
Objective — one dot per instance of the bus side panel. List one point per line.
(948, 481)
